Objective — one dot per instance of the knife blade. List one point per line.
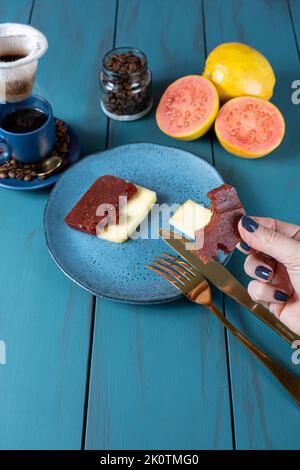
(220, 277)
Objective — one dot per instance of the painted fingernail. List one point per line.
(281, 296)
(249, 224)
(263, 272)
(244, 246)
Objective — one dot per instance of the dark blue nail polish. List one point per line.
(263, 272)
(281, 296)
(249, 224)
(244, 246)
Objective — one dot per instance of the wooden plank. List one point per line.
(294, 6)
(44, 318)
(265, 417)
(15, 12)
(159, 374)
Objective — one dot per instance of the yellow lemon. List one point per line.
(239, 70)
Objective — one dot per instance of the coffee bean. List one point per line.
(11, 174)
(116, 67)
(132, 67)
(3, 175)
(27, 178)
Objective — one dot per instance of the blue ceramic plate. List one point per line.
(117, 271)
(72, 157)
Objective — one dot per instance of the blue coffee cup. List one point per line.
(27, 147)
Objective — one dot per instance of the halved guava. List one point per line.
(249, 127)
(188, 108)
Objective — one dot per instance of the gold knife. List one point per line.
(220, 277)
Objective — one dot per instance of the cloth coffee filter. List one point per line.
(17, 77)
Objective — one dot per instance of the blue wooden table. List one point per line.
(89, 373)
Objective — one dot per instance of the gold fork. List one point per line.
(195, 287)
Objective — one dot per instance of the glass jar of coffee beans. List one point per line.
(125, 84)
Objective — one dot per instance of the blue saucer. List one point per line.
(117, 271)
(36, 183)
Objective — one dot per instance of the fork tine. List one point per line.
(172, 279)
(187, 266)
(161, 273)
(176, 276)
(176, 267)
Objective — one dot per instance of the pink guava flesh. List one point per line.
(186, 105)
(250, 124)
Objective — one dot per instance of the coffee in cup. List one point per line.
(22, 120)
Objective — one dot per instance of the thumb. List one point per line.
(269, 241)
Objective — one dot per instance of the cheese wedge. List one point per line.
(190, 217)
(131, 216)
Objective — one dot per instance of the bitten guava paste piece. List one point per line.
(222, 230)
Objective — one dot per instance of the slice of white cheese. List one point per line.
(130, 217)
(190, 217)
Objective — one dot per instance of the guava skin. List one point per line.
(237, 69)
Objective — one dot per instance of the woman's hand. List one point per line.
(273, 249)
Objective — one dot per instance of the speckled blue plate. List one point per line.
(117, 271)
